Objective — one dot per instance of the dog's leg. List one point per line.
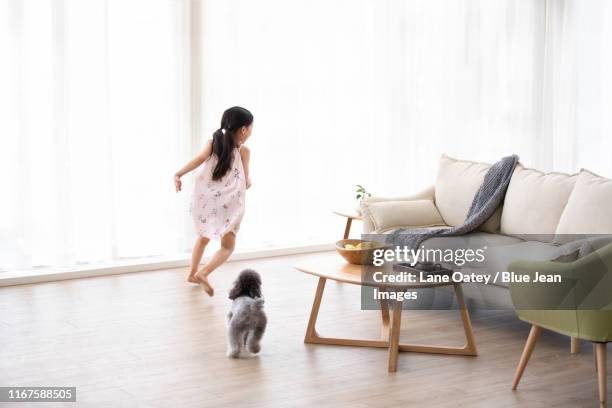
(235, 342)
(244, 353)
(254, 338)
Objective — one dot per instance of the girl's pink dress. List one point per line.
(217, 206)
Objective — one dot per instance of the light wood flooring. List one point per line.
(151, 339)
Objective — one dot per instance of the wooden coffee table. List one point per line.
(335, 268)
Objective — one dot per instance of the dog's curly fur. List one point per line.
(246, 321)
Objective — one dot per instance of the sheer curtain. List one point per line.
(93, 126)
(103, 100)
(577, 120)
(368, 92)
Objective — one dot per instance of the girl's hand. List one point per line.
(177, 183)
(248, 182)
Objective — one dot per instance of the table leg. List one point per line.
(347, 229)
(390, 331)
(395, 335)
(311, 331)
(470, 346)
(469, 349)
(314, 338)
(384, 310)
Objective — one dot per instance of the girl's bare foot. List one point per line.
(191, 278)
(203, 281)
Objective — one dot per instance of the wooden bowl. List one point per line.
(359, 256)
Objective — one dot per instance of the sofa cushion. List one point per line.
(456, 185)
(589, 208)
(534, 203)
(500, 257)
(499, 251)
(367, 223)
(472, 240)
(415, 213)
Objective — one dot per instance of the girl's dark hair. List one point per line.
(223, 139)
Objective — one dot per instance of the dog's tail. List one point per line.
(258, 303)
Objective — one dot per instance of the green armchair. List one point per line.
(579, 306)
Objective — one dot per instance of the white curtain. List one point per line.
(368, 92)
(92, 129)
(99, 107)
(577, 117)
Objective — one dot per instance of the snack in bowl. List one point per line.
(358, 252)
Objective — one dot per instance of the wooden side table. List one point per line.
(350, 215)
(333, 267)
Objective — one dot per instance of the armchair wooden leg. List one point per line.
(595, 355)
(602, 371)
(575, 345)
(534, 334)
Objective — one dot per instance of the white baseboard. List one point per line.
(12, 278)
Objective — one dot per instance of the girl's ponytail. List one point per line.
(224, 138)
(222, 148)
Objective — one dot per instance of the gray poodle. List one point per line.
(246, 321)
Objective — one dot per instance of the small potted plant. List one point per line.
(360, 194)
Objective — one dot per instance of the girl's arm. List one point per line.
(245, 155)
(192, 164)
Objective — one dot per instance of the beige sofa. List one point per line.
(539, 214)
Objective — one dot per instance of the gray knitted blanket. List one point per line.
(488, 197)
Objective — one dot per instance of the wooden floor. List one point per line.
(150, 339)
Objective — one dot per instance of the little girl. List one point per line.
(218, 198)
